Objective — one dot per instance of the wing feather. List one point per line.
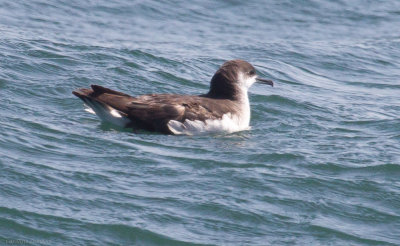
(154, 111)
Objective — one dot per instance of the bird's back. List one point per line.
(165, 113)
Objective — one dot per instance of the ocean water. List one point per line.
(319, 166)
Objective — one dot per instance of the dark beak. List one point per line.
(265, 81)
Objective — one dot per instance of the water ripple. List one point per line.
(319, 165)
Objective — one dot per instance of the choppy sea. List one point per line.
(319, 166)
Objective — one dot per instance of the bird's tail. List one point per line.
(93, 100)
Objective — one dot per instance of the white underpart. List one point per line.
(89, 109)
(106, 113)
(245, 82)
(228, 123)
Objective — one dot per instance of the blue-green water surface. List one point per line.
(319, 166)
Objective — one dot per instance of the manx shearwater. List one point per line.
(225, 108)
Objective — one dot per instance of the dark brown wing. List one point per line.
(158, 109)
(153, 112)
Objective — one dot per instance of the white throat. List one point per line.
(243, 116)
(245, 82)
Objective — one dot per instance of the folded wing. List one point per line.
(150, 112)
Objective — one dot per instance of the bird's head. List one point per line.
(233, 79)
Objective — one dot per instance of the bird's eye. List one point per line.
(252, 72)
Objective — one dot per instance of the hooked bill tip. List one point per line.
(266, 81)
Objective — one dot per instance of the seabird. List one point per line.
(225, 108)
